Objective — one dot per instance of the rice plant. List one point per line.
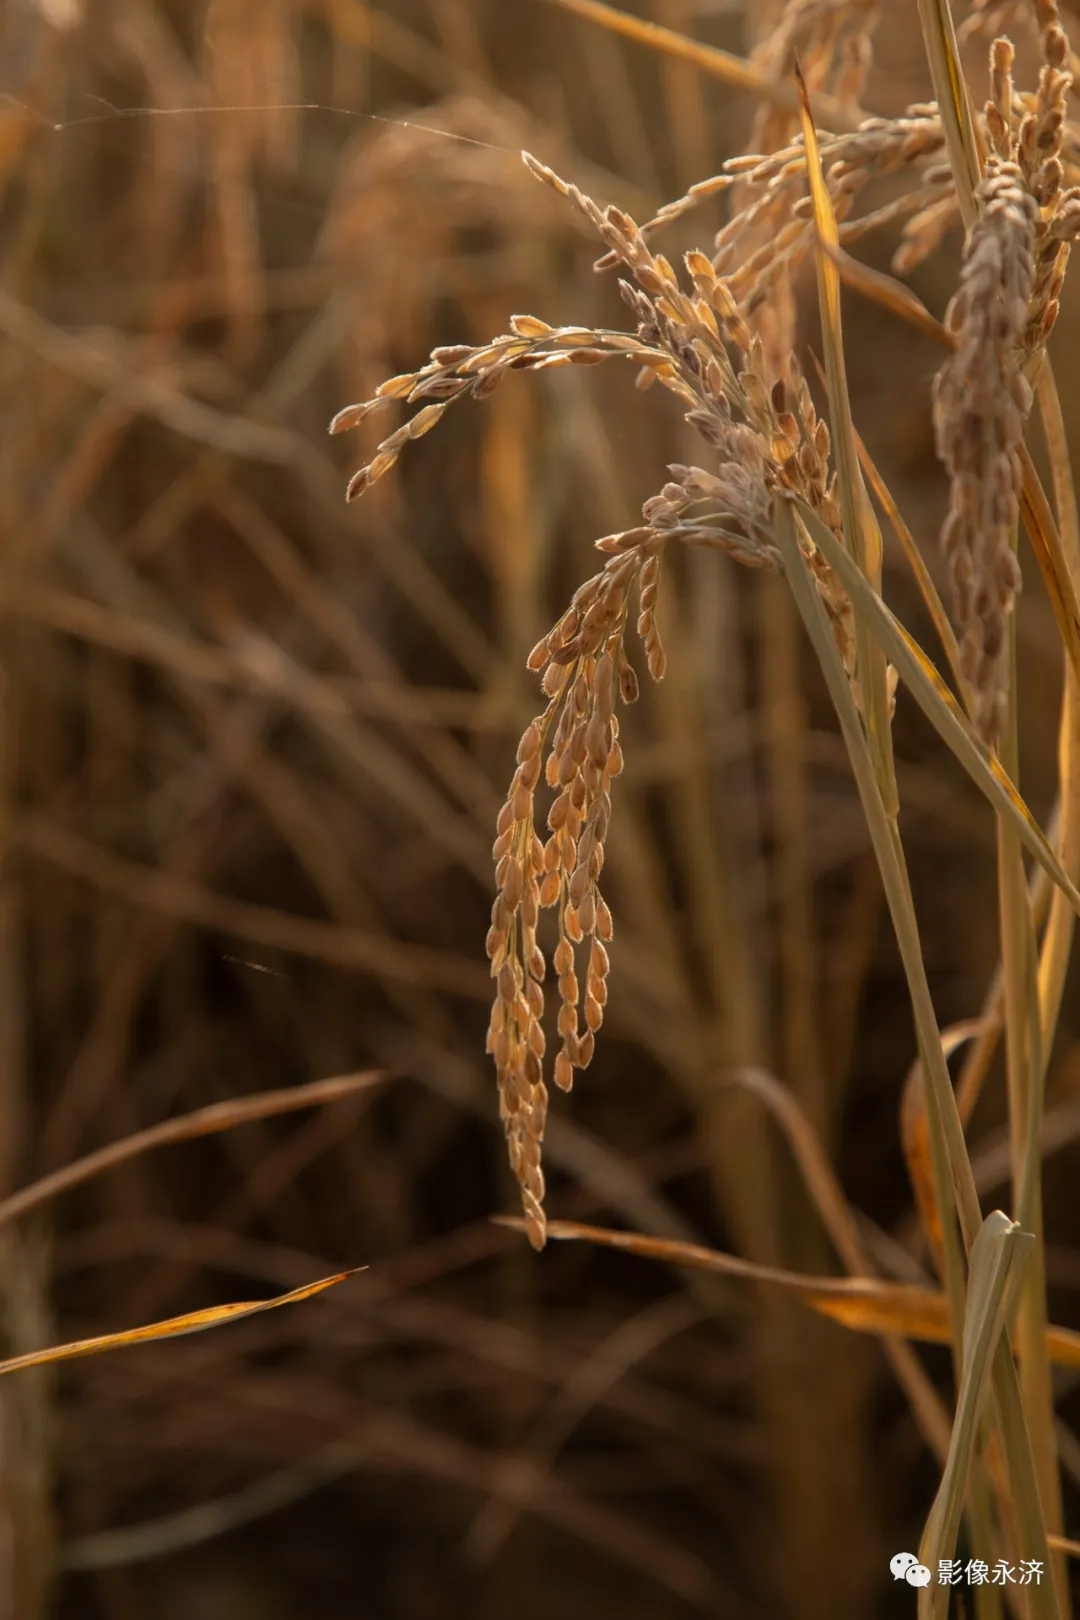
(781, 489)
(775, 831)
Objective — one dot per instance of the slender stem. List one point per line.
(1026, 1072)
(961, 137)
(953, 1180)
(1057, 941)
(1046, 997)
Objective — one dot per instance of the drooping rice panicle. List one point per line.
(981, 399)
(763, 436)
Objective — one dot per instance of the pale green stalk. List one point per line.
(953, 1180)
(948, 1151)
(997, 1259)
(1045, 1000)
(1026, 1073)
(1023, 1031)
(958, 126)
(859, 524)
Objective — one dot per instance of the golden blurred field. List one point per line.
(254, 745)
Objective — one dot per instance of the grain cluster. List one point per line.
(718, 340)
(1015, 254)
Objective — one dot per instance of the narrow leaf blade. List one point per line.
(174, 1327)
(938, 704)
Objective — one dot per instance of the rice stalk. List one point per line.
(247, 713)
(752, 408)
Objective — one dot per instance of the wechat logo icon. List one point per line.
(906, 1567)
